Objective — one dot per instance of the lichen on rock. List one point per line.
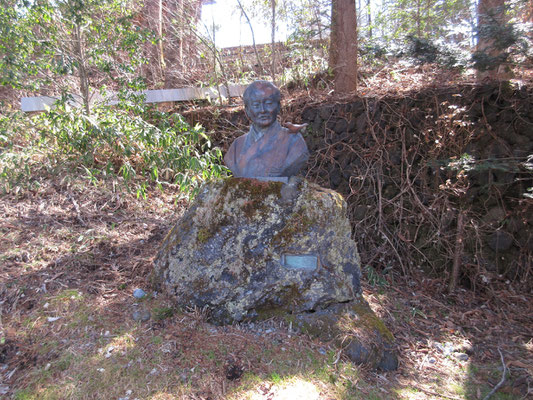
(232, 249)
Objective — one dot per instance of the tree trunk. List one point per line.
(369, 18)
(343, 47)
(491, 13)
(253, 36)
(181, 30)
(79, 51)
(418, 30)
(160, 33)
(273, 40)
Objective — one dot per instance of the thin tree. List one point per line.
(369, 18)
(253, 36)
(273, 39)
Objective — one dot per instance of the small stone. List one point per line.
(468, 349)
(360, 212)
(500, 241)
(446, 350)
(462, 356)
(139, 293)
(388, 362)
(340, 126)
(167, 348)
(325, 112)
(432, 360)
(4, 389)
(356, 352)
(109, 351)
(322, 350)
(47, 366)
(494, 215)
(141, 315)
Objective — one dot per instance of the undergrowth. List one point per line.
(138, 146)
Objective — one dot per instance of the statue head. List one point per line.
(262, 103)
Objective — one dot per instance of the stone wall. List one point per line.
(408, 165)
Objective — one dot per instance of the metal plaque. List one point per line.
(308, 262)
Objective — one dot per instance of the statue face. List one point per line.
(262, 107)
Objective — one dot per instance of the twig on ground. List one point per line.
(77, 209)
(444, 396)
(504, 373)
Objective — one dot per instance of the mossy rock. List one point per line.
(356, 329)
(247, 247)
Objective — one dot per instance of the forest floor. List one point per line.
(72, 253)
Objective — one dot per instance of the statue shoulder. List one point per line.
(239, 139)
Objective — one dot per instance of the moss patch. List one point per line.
(298, 222)
(252, 192)
(246, 187)
(204, 235)
(369, 320)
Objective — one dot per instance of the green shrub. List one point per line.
(149, 145)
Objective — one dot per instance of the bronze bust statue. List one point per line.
(268, 149)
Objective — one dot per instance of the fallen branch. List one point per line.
(504, 373)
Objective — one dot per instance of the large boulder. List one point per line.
(248, 248)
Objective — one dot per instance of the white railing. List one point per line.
(41, 103)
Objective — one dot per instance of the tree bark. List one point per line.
(160, 33)
(343, 46)
(273, 40)
(369, 18)
(79, 51)
(491, 13)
